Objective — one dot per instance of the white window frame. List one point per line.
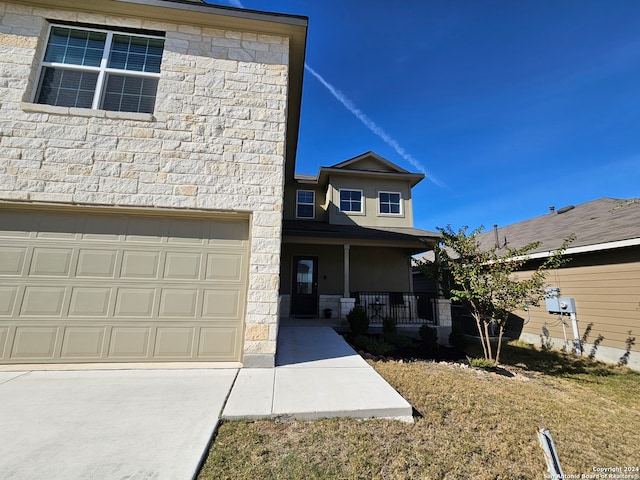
(102, 70)
(361, 211)
(380, 212)
(313, 204)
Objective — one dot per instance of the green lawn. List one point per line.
(472, 424)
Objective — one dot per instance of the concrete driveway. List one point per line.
(157, 424)
(116, 424)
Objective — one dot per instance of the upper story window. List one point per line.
(389, 203)
(351, 201)
(305, 204)
(100, 69)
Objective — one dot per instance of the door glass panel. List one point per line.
(304, 276)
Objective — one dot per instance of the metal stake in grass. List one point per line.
(550, 456)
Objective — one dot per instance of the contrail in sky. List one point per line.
(371, 125)
(366, 121)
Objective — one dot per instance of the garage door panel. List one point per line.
(83, 343)
(17, 224)
(90, 302)
(139, 264)
(50, 262)
(129, 342)
(178, 303)
(187, 232)
(12, 260)
(96, 263)
(174, 342)
(228, 232)
(81, 287)
(145, 230)
(224, 304)
(8, 296)
(104, 228)
(4, 336)
(42, 301)
(134, 302)
(224, 266)
(34, 342)
(218, 342)
(182, 266)
(58, 226)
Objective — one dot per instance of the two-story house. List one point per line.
(348, 238)
(143, 151)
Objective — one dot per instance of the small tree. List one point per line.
(485, 280)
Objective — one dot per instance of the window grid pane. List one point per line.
(75, 47)
(67, 88)
(305, 204)
(136, 53)
(130, 94)
(389, 202)
(350, 201)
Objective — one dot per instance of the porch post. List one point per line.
(347, 290)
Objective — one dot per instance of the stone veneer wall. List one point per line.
(215, 140)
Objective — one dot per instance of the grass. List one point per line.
(473, 424)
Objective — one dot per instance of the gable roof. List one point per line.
(597, 225)
(368, 164)
(369, 161)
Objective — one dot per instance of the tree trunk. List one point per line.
(478, 324)
(488, 338)
(500, 333)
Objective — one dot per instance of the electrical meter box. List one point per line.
(557, 304)
(551, 299)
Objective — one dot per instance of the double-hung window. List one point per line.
(351, 201)
(389, 203)
(100, 69)
(305, 204)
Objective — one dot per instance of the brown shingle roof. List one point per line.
(307, 228)
(600, 221)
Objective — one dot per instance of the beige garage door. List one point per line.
(97, 287)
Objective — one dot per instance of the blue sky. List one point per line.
(508, 106)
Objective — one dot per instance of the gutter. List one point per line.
(590, 248)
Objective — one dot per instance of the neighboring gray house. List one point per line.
(143, 153)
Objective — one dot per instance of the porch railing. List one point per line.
(403, 307)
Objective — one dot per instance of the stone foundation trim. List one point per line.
(259, 360)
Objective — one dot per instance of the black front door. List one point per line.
(304, 288)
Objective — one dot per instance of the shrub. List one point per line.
(429, 336)
(389, 329)
(358, 321)
(372, 345)
(483, 363)
(457, 339)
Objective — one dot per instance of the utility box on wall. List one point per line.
(552, 294)
(557, 304)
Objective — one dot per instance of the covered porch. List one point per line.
(326, 270)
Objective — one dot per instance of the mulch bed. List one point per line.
(410, 349)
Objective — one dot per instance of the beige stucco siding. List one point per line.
(370, 188)
(380, 269)
(320, 207)
(606, 289)
(214, 142)
(371, 268)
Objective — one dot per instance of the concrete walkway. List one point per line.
(317, 375)
(157, 424)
